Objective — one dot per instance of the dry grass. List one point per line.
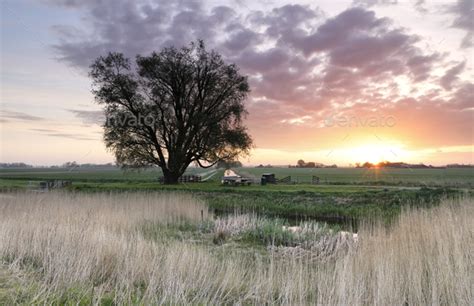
(90, 249)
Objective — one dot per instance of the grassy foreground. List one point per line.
(140, 249)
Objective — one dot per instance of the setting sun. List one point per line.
(374, 153)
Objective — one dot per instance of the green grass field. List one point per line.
(87, 175)
(343, 194)
(404, 177)
(450, 177)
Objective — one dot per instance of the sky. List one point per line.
(331, 81)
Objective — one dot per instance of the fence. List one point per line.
(285, 180)
(184, 179)
(48, 185)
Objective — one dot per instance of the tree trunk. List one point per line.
(170, 177)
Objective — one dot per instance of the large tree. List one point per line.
(172, 108)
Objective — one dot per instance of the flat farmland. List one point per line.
(453, 177)
(449, 177)
(98, 174)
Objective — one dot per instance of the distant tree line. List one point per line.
(67, 165)
(14, 165)
(264, 166)
(74, 164)
(459, 166)
(402, 165)
(302, 164)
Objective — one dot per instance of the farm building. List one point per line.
(232, 178)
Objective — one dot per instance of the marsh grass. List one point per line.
(117, 248)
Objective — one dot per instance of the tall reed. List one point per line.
(89, 248)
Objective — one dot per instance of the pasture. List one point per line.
(448, 177)
(453, 177)
(343, 196)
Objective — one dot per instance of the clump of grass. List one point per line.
(233, 225)
(92, 249)
(270, 232)
(254, 229)
(219, 237)
(181, 230)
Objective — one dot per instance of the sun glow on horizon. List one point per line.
(359, 152)
(375, 153)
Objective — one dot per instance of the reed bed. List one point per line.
(90, 249)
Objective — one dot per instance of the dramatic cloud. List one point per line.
(452, 75)
(463, 99)
(89, 117)
(464, 16)
(302, 65)
(369, 3)
(419, 5)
